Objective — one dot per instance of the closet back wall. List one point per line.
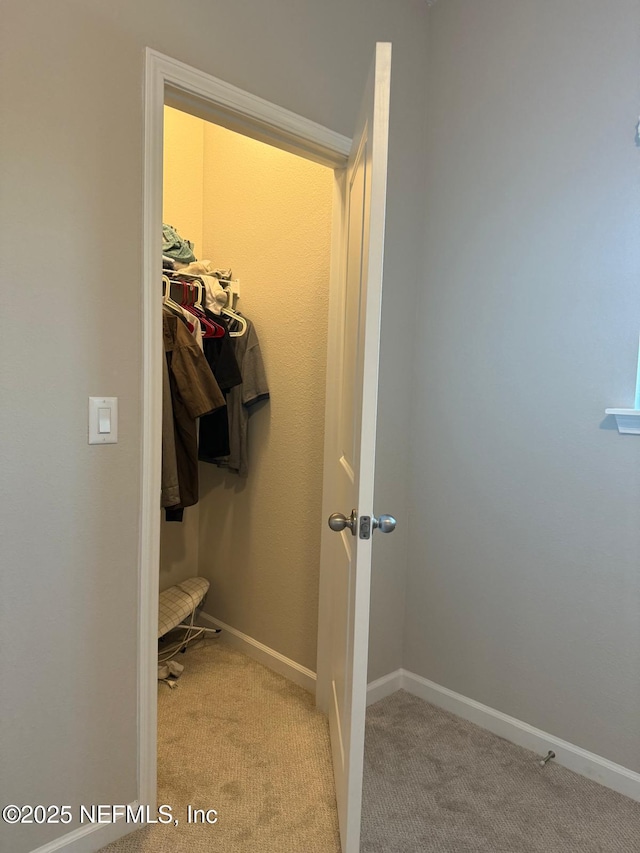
(267, 215)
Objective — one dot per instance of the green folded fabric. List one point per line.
(175, 246)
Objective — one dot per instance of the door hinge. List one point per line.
(365, 526)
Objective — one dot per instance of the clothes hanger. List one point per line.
(198, 301)
(167, 301)
(193, 304)
(166, 292)
(173, 306)
(229, 312)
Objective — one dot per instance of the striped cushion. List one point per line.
(177, 602)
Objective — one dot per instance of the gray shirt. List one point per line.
(241, 398)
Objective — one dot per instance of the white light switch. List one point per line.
(103, 420)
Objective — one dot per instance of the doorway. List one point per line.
(357, 249)
(199, 96)
(265, 215)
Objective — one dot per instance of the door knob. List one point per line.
(384, 523)
(338, 521)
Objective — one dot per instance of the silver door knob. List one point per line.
(384, 523)
(338, 521)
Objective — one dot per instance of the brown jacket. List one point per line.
(194, 393)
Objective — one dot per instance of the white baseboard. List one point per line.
(594, 767)
(263, 654)
(93, 836)
(383, 687)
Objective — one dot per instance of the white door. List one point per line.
(350, 450)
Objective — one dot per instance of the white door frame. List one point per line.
(170, 81)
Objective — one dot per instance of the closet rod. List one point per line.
(199, 275)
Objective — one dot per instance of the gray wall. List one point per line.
(70, 226)
(524, 576)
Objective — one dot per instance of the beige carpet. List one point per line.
(434, 783)
(238, 738)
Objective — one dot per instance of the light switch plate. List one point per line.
(95, 404)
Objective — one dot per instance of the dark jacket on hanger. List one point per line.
(214, 428)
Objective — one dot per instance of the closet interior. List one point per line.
(260, 219)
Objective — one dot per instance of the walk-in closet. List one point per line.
(265, 215)
(261, 218)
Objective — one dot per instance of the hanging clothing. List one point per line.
(194, 393)
(214, 428)
(215, 295)
(170, 486)
(242, 398)
(191, 321)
